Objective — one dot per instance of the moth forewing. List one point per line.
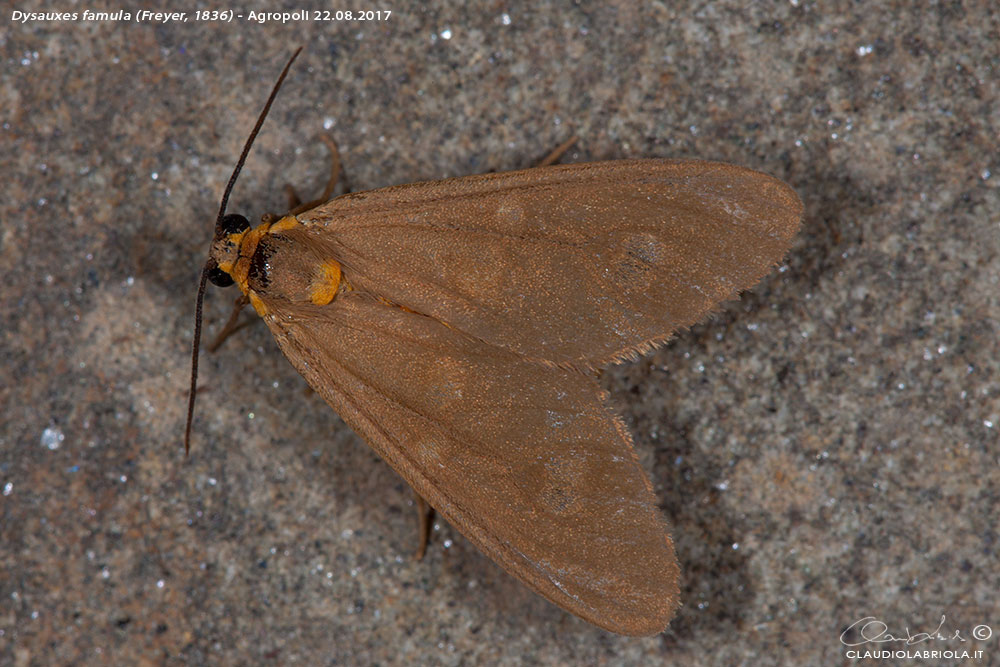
(523, 457)
(581, 264)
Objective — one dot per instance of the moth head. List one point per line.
(225, 248)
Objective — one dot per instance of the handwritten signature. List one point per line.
(870, 630)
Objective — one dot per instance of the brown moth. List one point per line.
(457, 325)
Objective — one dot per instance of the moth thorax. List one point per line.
(284, 270)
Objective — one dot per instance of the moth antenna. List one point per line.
(195, 345)
(253, 135)
(209, 265)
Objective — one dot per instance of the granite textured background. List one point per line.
(825, 449)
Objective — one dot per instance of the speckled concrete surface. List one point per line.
(826, 448)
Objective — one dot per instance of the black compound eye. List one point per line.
(219, 278)
(234, 223)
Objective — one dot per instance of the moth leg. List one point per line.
(336, 174)
(554, 156)
(231, 326)
(293, 197)
(425, 516)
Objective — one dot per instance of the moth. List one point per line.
(458, 325)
